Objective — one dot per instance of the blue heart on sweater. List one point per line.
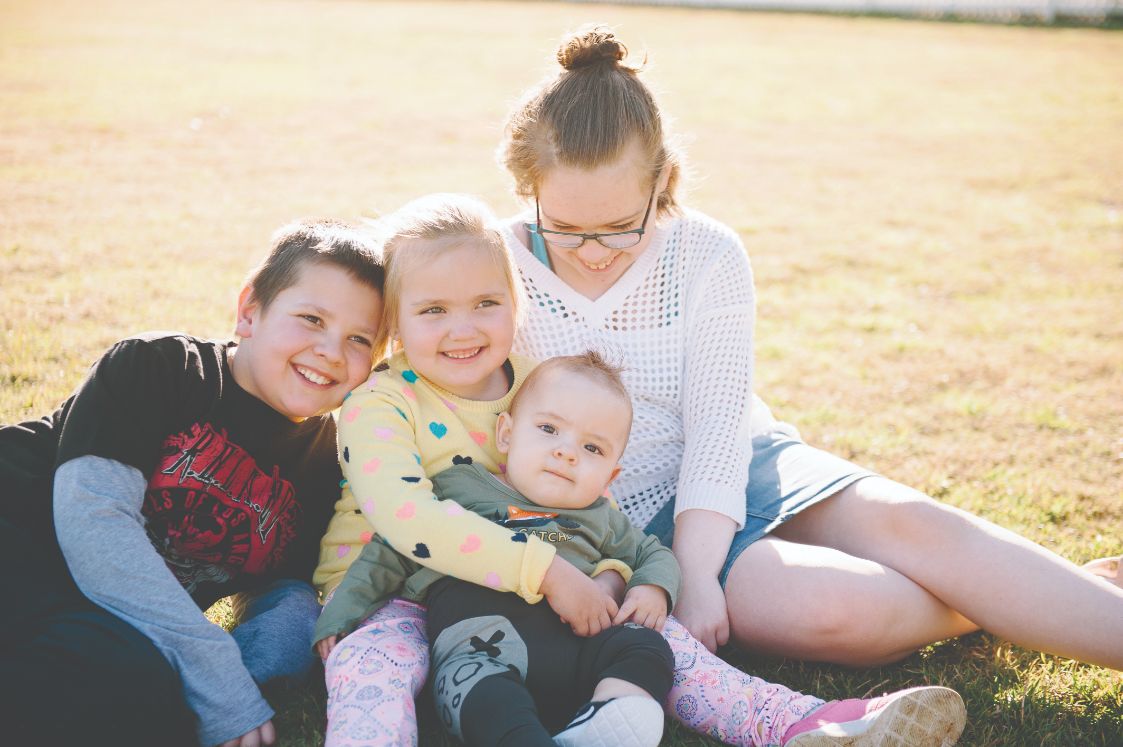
(438, 429)
(409, 376)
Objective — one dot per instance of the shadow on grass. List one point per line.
(1008, 691)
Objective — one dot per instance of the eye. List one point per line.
(487, 303)
(432, 310)
(361, 340)
(312, 319)
(594, 449)
(547, 428)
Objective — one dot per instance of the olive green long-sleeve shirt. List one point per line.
(586, 537)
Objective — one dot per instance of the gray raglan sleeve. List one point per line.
(100, 528)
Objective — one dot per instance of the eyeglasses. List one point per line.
(612, 240)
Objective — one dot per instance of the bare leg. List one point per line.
(1002, 581)
(817, 603)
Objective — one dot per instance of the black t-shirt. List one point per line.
(236, 494)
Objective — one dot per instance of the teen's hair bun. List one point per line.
(589, 47)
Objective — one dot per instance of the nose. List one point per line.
(565, 453)
(462, 328)
(593, 253)
(330, 349)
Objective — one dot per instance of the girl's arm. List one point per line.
(717, 410)
(702, 540)
(379, 432)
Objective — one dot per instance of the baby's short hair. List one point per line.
(590, 364)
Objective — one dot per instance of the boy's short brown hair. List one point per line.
(351, 248)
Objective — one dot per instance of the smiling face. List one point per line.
(311, 346)
(609, 198)
(564, 440)
(456, 321)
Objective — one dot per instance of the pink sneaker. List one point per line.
(920, 716)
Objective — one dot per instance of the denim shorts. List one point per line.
(785, 477)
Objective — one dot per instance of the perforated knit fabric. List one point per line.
(680, 320)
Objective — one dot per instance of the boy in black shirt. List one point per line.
(182, 471)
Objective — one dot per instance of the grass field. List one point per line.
(934, 213)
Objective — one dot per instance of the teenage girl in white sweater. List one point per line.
(784, 548)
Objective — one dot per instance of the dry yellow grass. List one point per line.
(934, 213)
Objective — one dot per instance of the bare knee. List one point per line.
(896, 512)
(829, 624)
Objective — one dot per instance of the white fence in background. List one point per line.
(1048, 11)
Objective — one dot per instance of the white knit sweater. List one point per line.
(680, 320)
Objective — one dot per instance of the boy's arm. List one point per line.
(100, 529)
(375, 576)
(652, 563)
(382, 464)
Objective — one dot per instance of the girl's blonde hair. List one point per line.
(421, 230)
(586, 115)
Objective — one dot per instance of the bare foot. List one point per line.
(1106, 568)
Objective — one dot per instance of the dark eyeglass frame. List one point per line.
(545, 233)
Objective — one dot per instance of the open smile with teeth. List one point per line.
(313, 377)
(459, 355)
(601, 265)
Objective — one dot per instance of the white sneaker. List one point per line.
(632, 721)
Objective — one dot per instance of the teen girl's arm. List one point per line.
(382, 428)
(717, 397)
(100, 528)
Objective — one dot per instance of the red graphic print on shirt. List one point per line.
(213, 513)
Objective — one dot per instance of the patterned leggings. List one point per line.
(375, 673)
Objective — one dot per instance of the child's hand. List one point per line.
(262, 736)
(324, 646)
(579, 601)
(645, 604)
(612, 583)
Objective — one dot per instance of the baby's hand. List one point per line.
(645, 604)
(612, 583)
(578, 601)
(324, 646)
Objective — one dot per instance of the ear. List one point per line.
(246, 317)
(503, 433)
(613, 476)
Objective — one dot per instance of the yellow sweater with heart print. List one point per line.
(395, 431)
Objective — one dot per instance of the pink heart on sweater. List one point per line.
(471, 544)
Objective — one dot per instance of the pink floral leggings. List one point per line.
(375, 673)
